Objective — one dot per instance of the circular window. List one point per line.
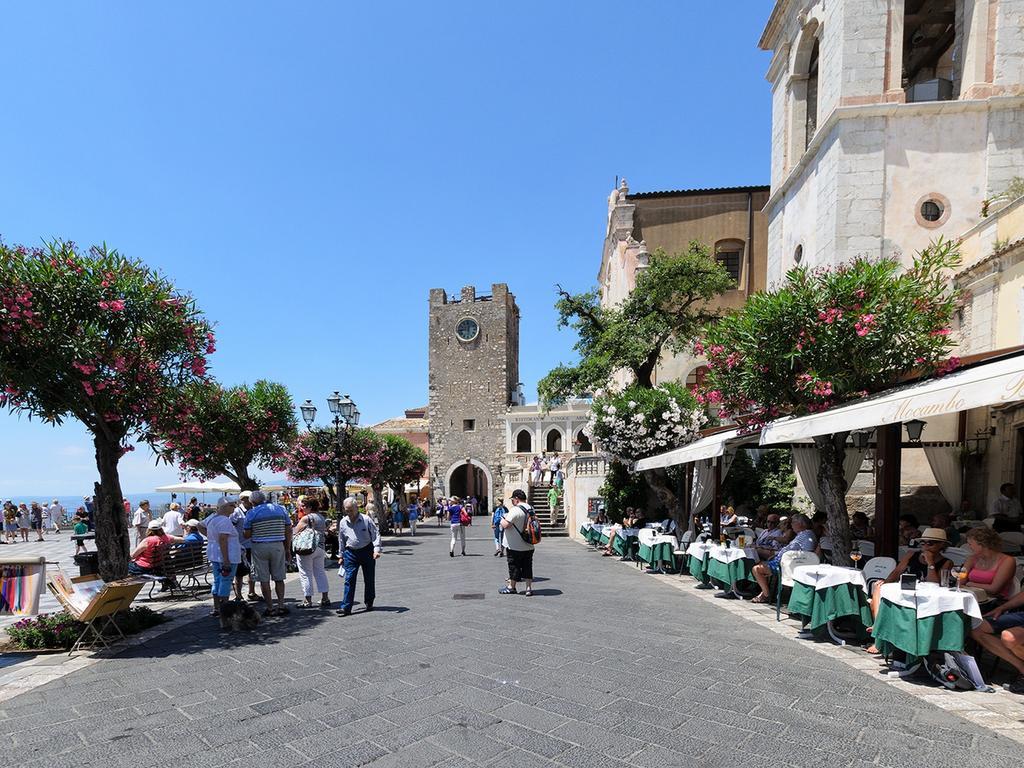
(932, 210)
(798, 254)
(467, 329)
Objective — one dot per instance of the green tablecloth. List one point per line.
(699, 567)
(659, 553)
(603, 540)
(728, 574)
(624, 546)
(817, 607)
(899, 627)
(593, 535)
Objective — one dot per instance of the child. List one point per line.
(81, 529)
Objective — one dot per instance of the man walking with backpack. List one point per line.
(521, 531)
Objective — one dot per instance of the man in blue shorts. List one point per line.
(1002, 634)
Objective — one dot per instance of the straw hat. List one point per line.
(934, 534)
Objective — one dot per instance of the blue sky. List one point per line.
(308, 171)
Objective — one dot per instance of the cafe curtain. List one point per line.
(944, 459)
(702, 492)
(807, 461)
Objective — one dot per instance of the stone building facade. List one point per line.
(728, 220)
(892, 122)
(473, 379)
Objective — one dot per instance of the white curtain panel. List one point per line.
(945, 463)
(703, 489)
(807, 460)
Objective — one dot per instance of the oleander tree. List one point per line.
(827, 337)
(101, 338)
(208, 430)
(401, 463)
(317, 456)
(637, 422)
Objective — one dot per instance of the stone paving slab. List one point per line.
(606, 666)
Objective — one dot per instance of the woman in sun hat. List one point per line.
(927, 563)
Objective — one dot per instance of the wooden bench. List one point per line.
(181, 568)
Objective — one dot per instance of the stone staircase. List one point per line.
(552, 521)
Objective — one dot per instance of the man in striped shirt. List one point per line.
(269, 528)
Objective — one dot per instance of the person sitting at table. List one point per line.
(860, 527)
(927, 563)
(803, 541)
(771, 539)
(636, 520)
(727, 516)
(909, 529)
(1002, 635)
(942, 520)
(988, 568)
(148, 555)
(627, 522)
(819, 524)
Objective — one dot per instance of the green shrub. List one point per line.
(60, 630)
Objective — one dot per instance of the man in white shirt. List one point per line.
(360, 542)
(1007, 506)
(173, 520)
(140, 520)
(54, 514)
(519, 551)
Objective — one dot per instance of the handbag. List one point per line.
(464, 518)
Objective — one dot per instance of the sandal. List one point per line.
(761, 599)
(528, 593)
(507, 591)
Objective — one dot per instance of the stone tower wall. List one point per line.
(472, 380)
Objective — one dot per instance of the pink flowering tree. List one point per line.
(401, 463)
(317, 456)
(100, 338)
(826, 337)
(209, 430)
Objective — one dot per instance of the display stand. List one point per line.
(21, 584)
(104, 601)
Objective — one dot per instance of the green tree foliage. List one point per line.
(769, 480)
(829, 336)
(401, 463)
(209, 430)
(621, 489)
(103, 339)
(664, 313)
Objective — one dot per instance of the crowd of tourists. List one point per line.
(39, 518)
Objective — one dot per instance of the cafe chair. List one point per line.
(867, 548)
(787, 564)
(877, 569)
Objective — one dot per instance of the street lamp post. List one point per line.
(346, 417)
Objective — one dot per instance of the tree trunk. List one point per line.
(661, 494)
(832, 484)
(331, 499)
(112, 542)
(242, 478)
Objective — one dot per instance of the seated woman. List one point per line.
(987, 567)
(860, 527)
(148, 555)
(803, 541)
(1002, 634)
(727, 516)
(927, 563)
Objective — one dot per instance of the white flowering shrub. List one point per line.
(639, 422)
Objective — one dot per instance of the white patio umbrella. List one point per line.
(200, 487)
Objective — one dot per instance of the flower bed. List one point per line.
(58, 631)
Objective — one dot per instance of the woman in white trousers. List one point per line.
(311, 566)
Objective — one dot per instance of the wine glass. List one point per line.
(961, 578)
(958, 571)
(741, 541)
(855, 555)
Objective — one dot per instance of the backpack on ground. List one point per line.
(955, 671)
(531, 532)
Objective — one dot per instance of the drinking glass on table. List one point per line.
(960, 574)
(855, 555)
(741, 541)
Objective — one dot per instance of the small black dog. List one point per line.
(237, 615)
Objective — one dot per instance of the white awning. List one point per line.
(706, 448)
(994, 383)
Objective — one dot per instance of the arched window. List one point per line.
(553, 442)
(729, 254)
(695, 379)
(524, 441)
(812, 96)
(583, 444)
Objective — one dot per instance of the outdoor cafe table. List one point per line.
(823, 593)
(591, 532)
(625, 541)
(697, 556)
(931, 618)
(656, 547)
(727, 566)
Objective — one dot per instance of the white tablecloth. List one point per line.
(930, 600)
(729, 554)
(650, 538)
(822, 576)
(625, 533)
(699, 549)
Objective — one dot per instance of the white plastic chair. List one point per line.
(956, 555)
(787, 563)
(686, 538)
(971, 524)
(1012, 541)
(877, 569)
(989, 522)
(825, 543)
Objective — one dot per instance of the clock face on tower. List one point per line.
(467, 329)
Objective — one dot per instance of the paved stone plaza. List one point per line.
(605, 666)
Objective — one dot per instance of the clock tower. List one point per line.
(473, 379)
